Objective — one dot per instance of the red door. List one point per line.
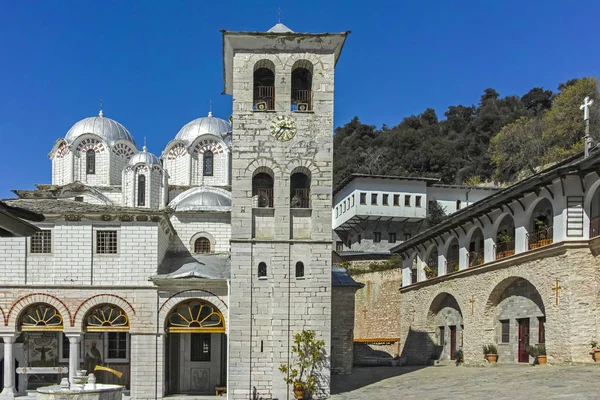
(452, 342)
(523, 339)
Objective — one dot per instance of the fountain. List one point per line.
(83, 388)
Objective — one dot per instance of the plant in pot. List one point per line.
(459, 357)
(429, 273)
(490, 351)
(538, 352)
(309, 357)
(595, 350)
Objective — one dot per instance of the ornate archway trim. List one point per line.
(103, 298)
(33, 298)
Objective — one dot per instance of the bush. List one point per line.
(490, 349)
(533, 351)
(459, 357)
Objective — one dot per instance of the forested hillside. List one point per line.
(501, 139)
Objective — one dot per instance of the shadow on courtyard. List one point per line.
(364, 376)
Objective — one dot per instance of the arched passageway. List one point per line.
(445, 319)
(476, 253)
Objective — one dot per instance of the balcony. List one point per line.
(543, 237)
(475, 258)
(300, 198)
(264, 198)
(504, 249)
(452, 264)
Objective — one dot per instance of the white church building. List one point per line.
(187, 272)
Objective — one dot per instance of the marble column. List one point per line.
(74, 341)
(9, 366)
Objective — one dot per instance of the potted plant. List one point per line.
(459, 357)
(490, 352)
(538, 352)
(309, 357)
(429, 273)
(595, 350)
(503, 238)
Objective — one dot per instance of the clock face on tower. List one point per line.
(283, 128)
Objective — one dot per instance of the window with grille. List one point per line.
(90, 162)
(207, 159)
(200, 347)
(117, 345)
(202, 245)
(41, 242)
(376, 237)
(141, 190)
(106, 242)
(262, 270)
(505, 334)
(299, 269)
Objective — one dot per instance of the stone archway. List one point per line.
(516, 311)
(446, 321)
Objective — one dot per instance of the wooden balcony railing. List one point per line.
(301, 198)
(265, 197)
(266, 95)
(452, 264)
(504, 249)
(475, 258)
(594, 227)
(302, 100)
(543, 237)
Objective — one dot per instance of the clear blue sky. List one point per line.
(157, 64)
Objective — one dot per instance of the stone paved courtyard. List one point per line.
(449, 382)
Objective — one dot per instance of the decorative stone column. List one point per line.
(9, 366)
(74, 341)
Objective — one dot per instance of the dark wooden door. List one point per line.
(452, 342)
(523, 339)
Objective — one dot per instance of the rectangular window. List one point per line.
(391, 237)
(406, 236)
(418, 201)
(117, 345)
(505, 334)
(352, 200)
(542, 330)
(396, 199)
(376, 237)
(200, 348)
(339, 246)
(106, 242)
(385, 199)
(407, 200)
(41, 242)
(373, 199)
(363, 198)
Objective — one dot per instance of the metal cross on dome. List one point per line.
(587, 102)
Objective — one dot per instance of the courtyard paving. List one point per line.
(513, 382)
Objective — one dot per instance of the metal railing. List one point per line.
(452, 265)
(264, 94)
(504, 249)
(475, 258)
(432, 264)
(543, 237)
(265, 197)
(594, 227)
(302, 100)
(301, 198)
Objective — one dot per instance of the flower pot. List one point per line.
(597, 355)
(299, 391)
(492, 358)
(545, 242)
(542, 360)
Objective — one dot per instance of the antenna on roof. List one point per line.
(210, 107)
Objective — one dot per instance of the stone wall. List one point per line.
(342, 329)
(514, 288)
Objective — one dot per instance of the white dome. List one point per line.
(202, 198)
(145, 158)
(202, 126)
(108, 129)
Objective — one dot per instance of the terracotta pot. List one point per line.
(597, 355)
(491, 357)
(545, 242)
(298, 391)
(542, 360)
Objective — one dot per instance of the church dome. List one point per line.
(202, 126)
(202, 198)
(145, 158)
(108, 129)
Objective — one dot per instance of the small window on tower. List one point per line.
(396, 199)
(385, 199)
(299, 269)
(373, 199)
(363, 198)
(262, 270)
(207, 159)
(90, 162)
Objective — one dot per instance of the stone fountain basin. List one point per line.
(100, 392)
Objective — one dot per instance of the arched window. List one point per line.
(262, 186)
(262, 270)
(300, 191)
(264, 86)
(458, 204)
(302, 86)
(299, 269)
(141, 190)
(90, 162)
(202, 245)
(207, 159)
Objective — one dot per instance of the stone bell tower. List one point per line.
(282, 157)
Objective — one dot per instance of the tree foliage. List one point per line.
(497, 139)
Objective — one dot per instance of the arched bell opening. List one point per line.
(196, 348)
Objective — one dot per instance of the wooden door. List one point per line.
(452, 342)
(523, 339)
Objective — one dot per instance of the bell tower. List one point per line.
(281, 242)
